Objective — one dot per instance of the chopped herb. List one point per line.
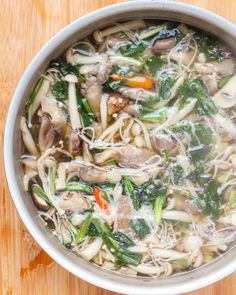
(166, 83)
(209, 201)
(40, 192)
(84, 229)
(195, 88)
(132, 50)
(86, 113)
(60, 90)
(154, 64)
(177, 173)
(209, 47)
(140, 227)
(165, 155)
(111, 85)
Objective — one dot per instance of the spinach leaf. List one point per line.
(210, 201)
(177, 173)
(31, 99)
(140, 227)
(209, 47)
(145, 194)
(198, 175)
(122, 256)
(60, 90)
(123, 240)
(132, 50)
(154, 64)
(195, 88)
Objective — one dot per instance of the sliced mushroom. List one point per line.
(163, 44)
(62, 155)
(130, 25)
(226, 97)
(126, 156)
(160, 141)
(92, 90)
(73, 201)
(30, 162)
(27, 138)
(40, 202)
(115, 103)
(46, 133)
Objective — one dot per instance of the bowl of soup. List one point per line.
(120, 149)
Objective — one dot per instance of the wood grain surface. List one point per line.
(25, 25)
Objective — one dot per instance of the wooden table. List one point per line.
(25, 27)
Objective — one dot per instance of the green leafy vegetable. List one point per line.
(154, 64)
(86, 113)
(198, 175)
(31, 99)
(159, 115)
(177, 173)
(111, 85)
(166, 83)
(122, 256)
(153, 31)
(140, 227)
(123, 240)
(60, 90)
(165, 155)
(84, 229)
(209, 201)
(224, 80)
(195, 88)
(158, 208)
(232, 201)
(209, 47)
(132, 50)
(145, 194)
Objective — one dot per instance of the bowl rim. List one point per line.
(193, 283)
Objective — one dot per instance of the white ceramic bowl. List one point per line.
(202, 19)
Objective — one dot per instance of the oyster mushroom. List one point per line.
(46, 133)
(73, 201)
(27, 138)
(57, 116)
(126, 156)
(95, 175)
(99, 36)
(30, 169)
(138, 94)
(88, 157)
